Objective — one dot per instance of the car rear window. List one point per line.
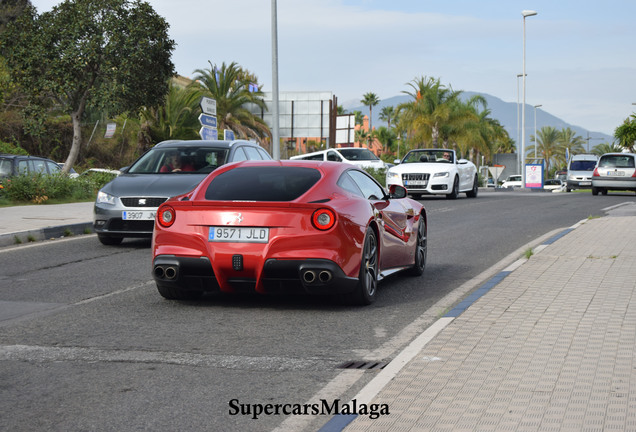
(617, 161)
(262, 184)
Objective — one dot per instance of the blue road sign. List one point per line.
(207, 120)
(228, 135)
(208, 133)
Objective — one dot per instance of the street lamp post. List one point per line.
(275, 124)
(525, 13)
(518, 134)
(535, 132)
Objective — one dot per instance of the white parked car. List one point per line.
(513, 181)
(434, 172)
(554, 185)
(362, 157)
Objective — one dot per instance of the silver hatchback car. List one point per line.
(126, 206)
(614, 171)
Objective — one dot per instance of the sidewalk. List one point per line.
(549, 344)
(21, 224)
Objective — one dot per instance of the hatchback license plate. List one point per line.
(138, 215)
(615, 173)
(238, 234)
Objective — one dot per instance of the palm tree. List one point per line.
(370, 100)
(626, 133)
(387, 114)
(359, 118)
(430, 110)
(175, 119)
(605, 147)
(233, 89)
(570, 143)
(363, 136)
(547, 145)
(386, 136)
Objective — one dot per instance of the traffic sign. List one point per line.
(207, 120)
(228, 135)
(208, 133)
(208, 105)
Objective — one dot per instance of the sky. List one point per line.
(580, 54)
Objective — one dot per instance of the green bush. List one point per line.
(39, 188)
(12, 149)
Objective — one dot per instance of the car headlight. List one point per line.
(392, 175)
(104, 198)
(441, 174)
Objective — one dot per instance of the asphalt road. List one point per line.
(86, 342)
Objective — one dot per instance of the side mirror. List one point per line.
(397, 192)
(462, 161)
(397, 161)
(124, 170)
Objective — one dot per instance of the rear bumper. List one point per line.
(304, 276)
(615, 183)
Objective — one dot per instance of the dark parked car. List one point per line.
(126, 206)
(11, 165)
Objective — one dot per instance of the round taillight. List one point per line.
(323, 219)
(166, 216)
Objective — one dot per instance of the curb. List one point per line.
(47, 233)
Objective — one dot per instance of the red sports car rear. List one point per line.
(287, 226)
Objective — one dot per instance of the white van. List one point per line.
(580, 170)
(359, 156)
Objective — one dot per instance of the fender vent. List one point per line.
(362, 364)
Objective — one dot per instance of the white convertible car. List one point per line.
(434, 171)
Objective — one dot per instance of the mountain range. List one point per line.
(504, 112)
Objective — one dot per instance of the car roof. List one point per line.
(327, 166)
(12, 156)
(205, 143)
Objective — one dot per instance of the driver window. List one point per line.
(370, 189)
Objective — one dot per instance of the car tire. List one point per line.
(595, 191)
(473, 192)
(604, 191)
(455, 191)
(108, 240)
(421, 247)
(366, 289)
(174, 293)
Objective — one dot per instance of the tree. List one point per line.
(430, 110)
(177, 118)
(386, 136)
(626, 133)
(113, 55)
(10, 10)
(233, 89)
(387, 114)
(547, 145)
(569, 143)
(605, 147)
(370, 100)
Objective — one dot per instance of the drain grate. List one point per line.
(363, 364)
